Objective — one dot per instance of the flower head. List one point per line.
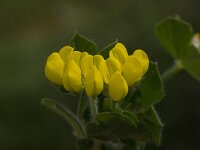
(79, 70)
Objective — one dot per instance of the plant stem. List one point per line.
(172, 71)
(93, 108)
(79, 104)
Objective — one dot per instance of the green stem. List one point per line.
(79, 103)
(93, 108)
(172, 71)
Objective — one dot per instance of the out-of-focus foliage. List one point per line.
(31, 29)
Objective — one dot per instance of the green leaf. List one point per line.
(105, 51)
(151, 87)
(82, 44)
(191, 62)
(111, 126)
(150, 127)
(175, 35)
(131, 115)
(66, 114)
(107, 105)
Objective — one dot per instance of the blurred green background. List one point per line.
(31, 29)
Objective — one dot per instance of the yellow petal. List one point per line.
(86, 64)
(97, 60)
(93, 82)
(143, 59)
(132, 70)
(66, 81)
(113, 65)
(76, 55)
(74, 75)
(103, 68)
(119, 52)
(118, 87)
(54, 68)
(65, 52)
(83, 54)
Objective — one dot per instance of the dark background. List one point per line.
(31, 29)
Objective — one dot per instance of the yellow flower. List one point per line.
(86, 64)
(103, 68)
(119, 52)
(54, 68)
(118, 87)
(97, 59)
(132, 70)
(113, 65)
(109, 67)
(93, 82)
(72, 78)
(142, 58)
(65, 52)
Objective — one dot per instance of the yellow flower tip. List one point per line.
(65, 52)
(97, 60)
(132, 70)
(86, 64)
(83, 54)
(113, 65)
(76, 55)
(142, 58)
(93, 82)
(72, 77)
(118, 87)
(103, 68)
(119, 52)
(54, 68)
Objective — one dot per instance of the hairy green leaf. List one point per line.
(191, 62)
(111, 126)
(82, 44)
(151, 88)
(175, 35)
(66, 114)
(105, 51)
(150, 127)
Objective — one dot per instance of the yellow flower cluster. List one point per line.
(79, 70)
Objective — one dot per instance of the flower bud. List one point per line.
(86, 64)
(119, 52)
(196, 40)
(143, 59)
(72, 77)
(54, 68)
(93, 82)
(113, 65)
(103, 68)
(132, 70)
(97, 59)
(65, 52)
(118, 87)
